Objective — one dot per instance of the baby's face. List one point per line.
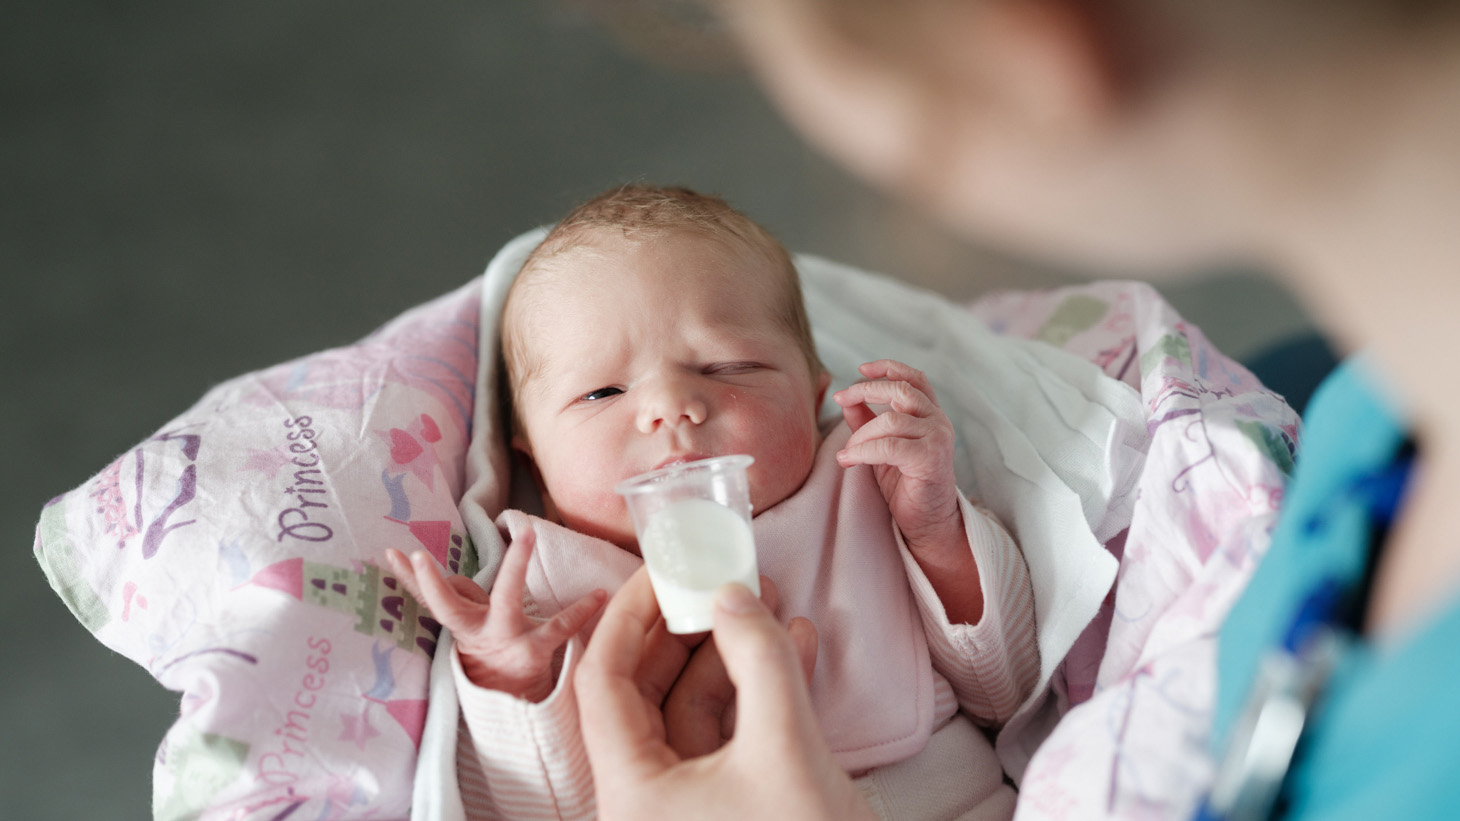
(654, 352)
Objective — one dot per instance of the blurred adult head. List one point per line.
(1313, 138)
(1150, 130)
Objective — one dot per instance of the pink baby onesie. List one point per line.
(890, 668)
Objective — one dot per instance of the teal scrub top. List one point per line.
(1384, 741)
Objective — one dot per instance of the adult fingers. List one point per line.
(777, 738)
(770, 594)
(700, 709)
(803, 633)
(666, 653)
(664, 657)
(761, 658)
(695, 710)
(623, 735)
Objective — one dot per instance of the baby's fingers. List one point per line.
(881, 451)
(895, 425)
(915, 446)
(468, 589)
(566, 624)
(894, 371)
(512, 577)
(446, 604)
(401, 566)
(903, 397)
(856, 413)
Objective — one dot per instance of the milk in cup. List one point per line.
(693, 524)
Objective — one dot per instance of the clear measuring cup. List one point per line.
(693, 524)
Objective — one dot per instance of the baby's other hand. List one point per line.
(500, 647)
(910, 447)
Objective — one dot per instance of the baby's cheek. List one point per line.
(783, 458)
(585, 505)
(596, 511)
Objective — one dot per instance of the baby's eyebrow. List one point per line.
(549, 374)
(528, 376)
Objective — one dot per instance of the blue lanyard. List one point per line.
(1268, 732)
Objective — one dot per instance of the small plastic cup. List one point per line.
(693, 524)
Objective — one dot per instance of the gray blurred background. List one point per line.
(190, 191)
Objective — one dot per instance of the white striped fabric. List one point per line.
(992, 665)
(531, 756)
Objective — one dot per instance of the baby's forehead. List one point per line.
(587, 263)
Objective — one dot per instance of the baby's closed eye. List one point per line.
(731, 368)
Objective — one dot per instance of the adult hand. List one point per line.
(776, 765)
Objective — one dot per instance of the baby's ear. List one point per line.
(823, 382)
(522, 455)
(520, 444)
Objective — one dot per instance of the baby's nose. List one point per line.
(672, 402)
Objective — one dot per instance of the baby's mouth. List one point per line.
(681, 459)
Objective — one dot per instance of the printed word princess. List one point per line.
(309, 494)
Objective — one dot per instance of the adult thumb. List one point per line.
(769, 667)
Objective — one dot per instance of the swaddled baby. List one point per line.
(657, 325)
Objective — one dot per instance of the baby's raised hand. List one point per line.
(501, 648)
(910, 448)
